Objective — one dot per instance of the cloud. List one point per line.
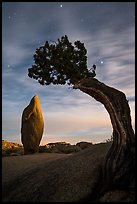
(108, 32)
(14, 54)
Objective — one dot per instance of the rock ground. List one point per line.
(50, 177)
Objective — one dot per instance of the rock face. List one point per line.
(32, 126)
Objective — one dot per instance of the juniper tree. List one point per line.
(60, 63)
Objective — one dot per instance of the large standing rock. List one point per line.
(32, 126)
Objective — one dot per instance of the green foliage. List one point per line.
(60, 63)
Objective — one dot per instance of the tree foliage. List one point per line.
(60, 63)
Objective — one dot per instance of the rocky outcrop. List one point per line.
(84, 145)
(32, 126)
(50, 177)
(9, 145)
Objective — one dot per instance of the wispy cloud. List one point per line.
(108, 32)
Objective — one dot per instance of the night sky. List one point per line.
(107, 30)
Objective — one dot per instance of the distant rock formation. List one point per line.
(32, 126)
(84, 145)
(9, 145)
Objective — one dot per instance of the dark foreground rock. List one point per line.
(71, 178)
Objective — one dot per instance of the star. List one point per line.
(101, 62)
(61, 5)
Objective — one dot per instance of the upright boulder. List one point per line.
(32, 126)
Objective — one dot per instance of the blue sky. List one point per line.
(107, 30)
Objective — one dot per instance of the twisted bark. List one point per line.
(119, 164)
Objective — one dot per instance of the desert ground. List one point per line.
(54, 177)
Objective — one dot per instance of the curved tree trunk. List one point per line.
(118, 167)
